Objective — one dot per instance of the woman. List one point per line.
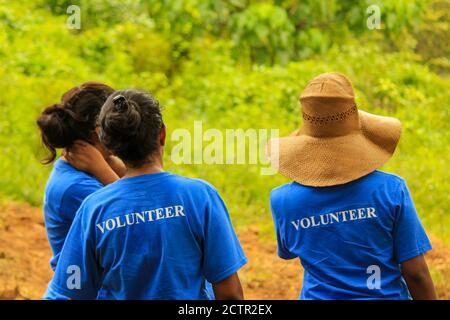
(70, 125)
(152, 234)
(354, 228)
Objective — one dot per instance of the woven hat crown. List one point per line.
(328, 106)
(328, 85)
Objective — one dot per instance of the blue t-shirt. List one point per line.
(154, 236)
(350, 238)
(66, 189)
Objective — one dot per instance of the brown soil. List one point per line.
(25, 254)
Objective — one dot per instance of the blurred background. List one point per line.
(231, 64)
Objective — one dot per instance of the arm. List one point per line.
(78, 273)
(85, 157)
(223, 254)
(410, 243)
(117, 165)
(418, 278)
(229, 288)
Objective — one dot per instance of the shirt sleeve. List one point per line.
(282, 250)
(77, 275)
(410, 239)
(223, 254)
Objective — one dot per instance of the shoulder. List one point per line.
(287, 189)
(66, 174)
(280, 189)
(194, 184)
(81, 188)
(86, 182)
(389, 187)
(70, 180)
(388, 176)
(99, 194)
(198, 190)
(91, 204)
(387, 179)
(279, 195)
(76, 188)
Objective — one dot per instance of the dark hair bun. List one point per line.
(120, 103)
(75, 118)
(54, 123)
(124, 118)
(130, 123)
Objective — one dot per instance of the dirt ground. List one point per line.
(25, 254)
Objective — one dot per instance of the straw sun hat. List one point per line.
(338, 143)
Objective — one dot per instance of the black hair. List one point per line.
(73, 118)
(130, 123)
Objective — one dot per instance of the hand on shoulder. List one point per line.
(86, 157)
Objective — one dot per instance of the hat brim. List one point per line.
(321, 162)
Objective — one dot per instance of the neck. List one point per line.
(153, 167)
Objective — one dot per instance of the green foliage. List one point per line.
(432, 38)
(232, 64)
(266, 31)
